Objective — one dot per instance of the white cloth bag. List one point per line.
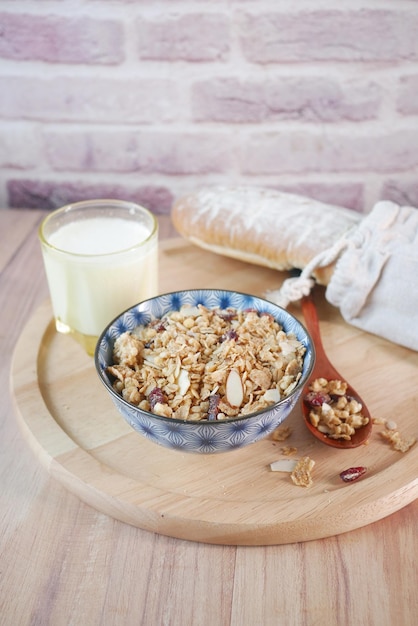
(375, 280)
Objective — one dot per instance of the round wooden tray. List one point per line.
(229, 498)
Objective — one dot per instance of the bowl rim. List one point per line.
(174, 420)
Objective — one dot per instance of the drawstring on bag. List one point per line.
(294, 289)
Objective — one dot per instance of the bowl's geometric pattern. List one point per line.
(206, 437)
(197, 436)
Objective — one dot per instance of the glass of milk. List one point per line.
(100, 257)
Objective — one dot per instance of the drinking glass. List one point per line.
(100, 258)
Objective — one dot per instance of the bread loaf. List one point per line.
(262, 226)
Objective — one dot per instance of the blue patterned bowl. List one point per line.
(201, 436)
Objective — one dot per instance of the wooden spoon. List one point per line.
(324, 369)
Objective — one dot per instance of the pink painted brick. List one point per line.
(59, 39)
(19, 148)
(35, 194)
(404, 192)
(92, 99)
(303, 98)
(349, 195)
(129, 151)
(192, 37)
(297, 152)
(330, 35)
(407, 103)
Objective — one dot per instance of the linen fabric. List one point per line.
(375, 280)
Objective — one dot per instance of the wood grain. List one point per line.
(63, 562)
(230, 498)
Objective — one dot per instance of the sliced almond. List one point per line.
(284, 465)
(190, 311)
(272, 395)
(183, 381)
(326, 409)
(234, 389)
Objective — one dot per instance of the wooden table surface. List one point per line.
(62, 562)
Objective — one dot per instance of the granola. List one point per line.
(302, 474)
(333, 412)
(199, 363)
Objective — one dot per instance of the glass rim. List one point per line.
(96, 204)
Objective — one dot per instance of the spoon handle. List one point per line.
(322, 363)
(311, 318)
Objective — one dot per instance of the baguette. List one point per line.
(262, 226)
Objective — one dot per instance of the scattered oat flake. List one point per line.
(281, 433)
(288, 450)
(397, 441)
(379, 420)
(301, 475)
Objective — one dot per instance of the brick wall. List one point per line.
(149, 100)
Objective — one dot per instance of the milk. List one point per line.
(99, 235)
(97, 267)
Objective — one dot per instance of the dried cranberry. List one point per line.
(157, 396)
(316, 398)
(230, 334)
(158, 325)
(213, 410)
(352, 473)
